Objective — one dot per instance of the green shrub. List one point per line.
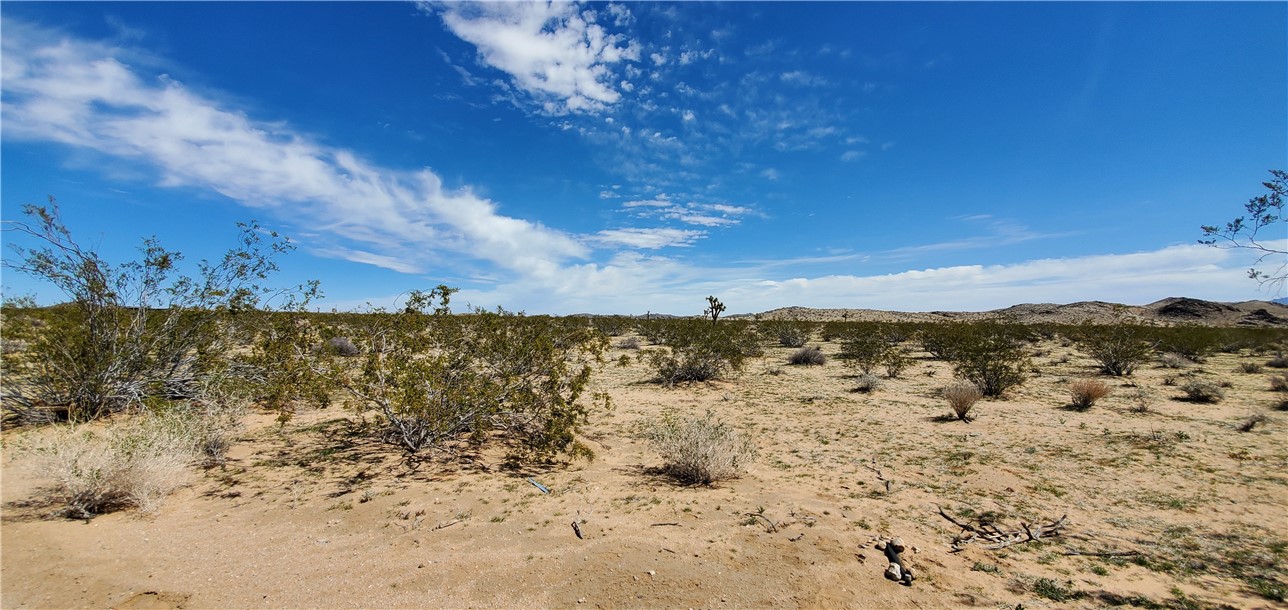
(1119, 348)
(868, 346)
(993, 357)
(941, 340)
(1193, 342)
(441, 378)
(1055, 591)
(700, 352)
(787, 333)
(136, 330)
(701, 450)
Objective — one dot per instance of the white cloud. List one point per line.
(802, 78)
(553, 51)
(79, 94)
(853, 155)
(688, 116)
(1136, 278)
(652, 239)
(770, 173)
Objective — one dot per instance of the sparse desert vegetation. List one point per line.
(679, 463)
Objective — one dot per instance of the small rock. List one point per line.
(652, 573)
(881, 545)
(581, 600)
(897, 543)
(893, 572)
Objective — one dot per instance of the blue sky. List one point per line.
(623, 158)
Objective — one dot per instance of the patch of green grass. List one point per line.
(987, 568)
(1055, 591)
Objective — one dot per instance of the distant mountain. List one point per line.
(1280, 301)
(1169, 311)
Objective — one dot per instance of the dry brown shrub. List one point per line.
(1085, 392)
(807, 356)
(131, 465)
(1279, 383)
(961, 396)
(701, 450)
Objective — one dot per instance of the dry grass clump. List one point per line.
(1251, 422)
(133, 465)
(1203, 391)
(1280, 361)
(1248, 367)
(961, 396)
(342, 346)
(1279, 383)
(1172, 360)
(867, 383)
(701, 450)
(809, 356)
(629, 343)
(1085, 392)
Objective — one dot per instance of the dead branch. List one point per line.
(1000, 539)
(1103, 553)
(770, 526)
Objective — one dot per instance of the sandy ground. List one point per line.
(317, 514)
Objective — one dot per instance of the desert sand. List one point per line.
(319, 514)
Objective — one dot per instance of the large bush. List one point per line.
(787, 333)
(1119, 348)
(992, 356)
(436, 379)
(134, 331)
(868, 346)
(702, 351)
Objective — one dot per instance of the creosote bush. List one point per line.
(701, 450)
(135, 331)
(812, 356)
(1119, 348)
(788, 333)
(993, 357)
(441, 379)
(1085, 392)
(1203, 391)
(961, 396)
(701, 351)
(1280, 361)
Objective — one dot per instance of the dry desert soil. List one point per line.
(1167, 504)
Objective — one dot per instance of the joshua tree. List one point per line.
(714, 309)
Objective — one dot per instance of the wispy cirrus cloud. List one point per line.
(556, 52)
(692, 213)
(81, 94)
(650, 238)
